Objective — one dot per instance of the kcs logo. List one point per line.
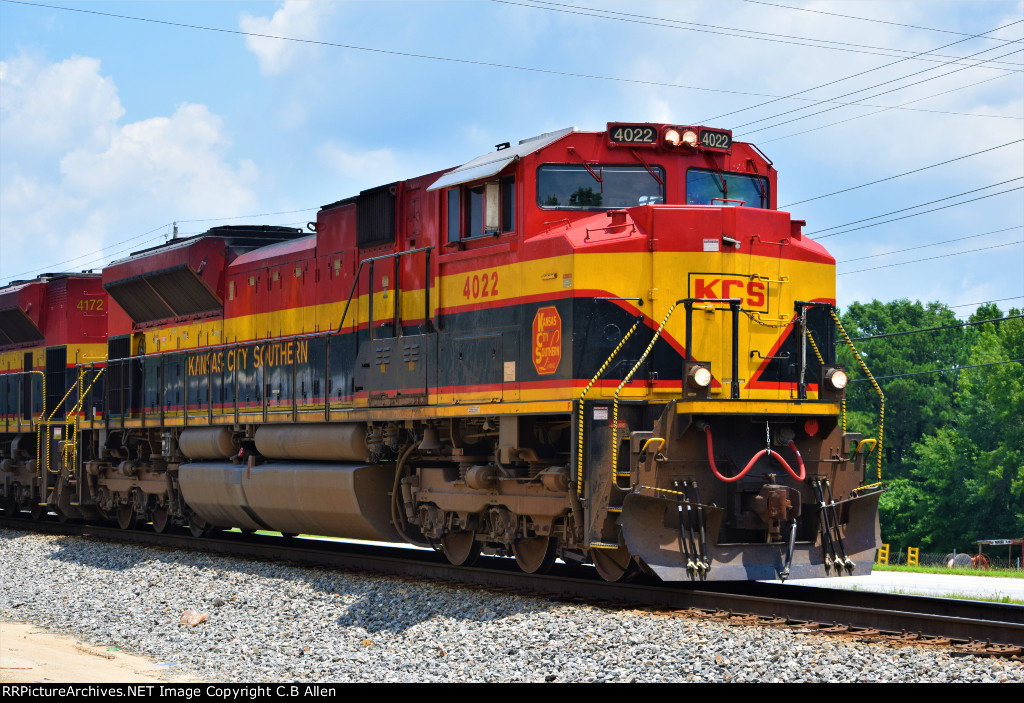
(752, 291)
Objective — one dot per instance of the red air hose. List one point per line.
(799, 461)
(750, 464)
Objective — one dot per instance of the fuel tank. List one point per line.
(345, 441)
(345, 499)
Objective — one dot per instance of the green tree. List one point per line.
(914, 404)
(954, 440)
(942, 470)
(585, 197)
(990, 404)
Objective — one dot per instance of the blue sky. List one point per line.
(111, 128)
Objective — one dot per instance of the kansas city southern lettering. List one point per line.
(269, 355)
(547, 340)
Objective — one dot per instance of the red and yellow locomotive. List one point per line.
(608, 347)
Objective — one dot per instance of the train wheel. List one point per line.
(461, 548)
(160, 518)
(126, 517)
(535, 555)
(37, 511)
(613, 564)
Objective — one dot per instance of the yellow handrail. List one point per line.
(579, 446)
(625, 380)
(881, 409)
(71, 446)
(49, 422)
(39, 438)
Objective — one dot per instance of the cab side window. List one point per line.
(474, 218)
(454, 215)
(508, 204)
(477, 210)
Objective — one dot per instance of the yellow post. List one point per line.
(883, 554)
(912, 556)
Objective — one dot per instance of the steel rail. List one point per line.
(952, 619)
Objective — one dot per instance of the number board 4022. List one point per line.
(635, 134)
(716, 139)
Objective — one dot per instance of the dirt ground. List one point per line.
(30, 654)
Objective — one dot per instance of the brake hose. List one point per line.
(750, 464)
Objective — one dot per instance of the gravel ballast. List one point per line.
(272, 622)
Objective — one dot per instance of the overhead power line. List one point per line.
(905, 173)
(865, 72)
(82, 257)
(932, 258)
(870, 97)
(84, 260)
(863, 19)
(773, 37)
(986, 302)
(242, 217)
(955, 368)
(407, 54)
(902, 106)
(936, 329)
(914, 207)
(926, 246)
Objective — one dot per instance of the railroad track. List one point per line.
(967, 627)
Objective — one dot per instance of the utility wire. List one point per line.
(720, 30)
(902, 106)
(100, 252)
(931, 258)
(914, 207)
(905, 173)
(926, 246)
(861, 73)
(864, 19)
(82, 256)
(936, 329)
(955, 368)
(870, 97)
(986, 302)
(262, 214)
(100, 258)
(360, 48)
(406, 54)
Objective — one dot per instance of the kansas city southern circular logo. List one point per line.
(547, 340)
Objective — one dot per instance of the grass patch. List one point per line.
(991, 599)
(994, 573)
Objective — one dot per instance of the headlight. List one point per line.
(672, 137)
(837, 378)
(690, 138)
(700, 377)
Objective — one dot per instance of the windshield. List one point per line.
(707, 188)
(572, 187)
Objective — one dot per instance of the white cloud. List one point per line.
(53, 106)
(75, 181)
(297, 19)
(178, 156)
(371, 168)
